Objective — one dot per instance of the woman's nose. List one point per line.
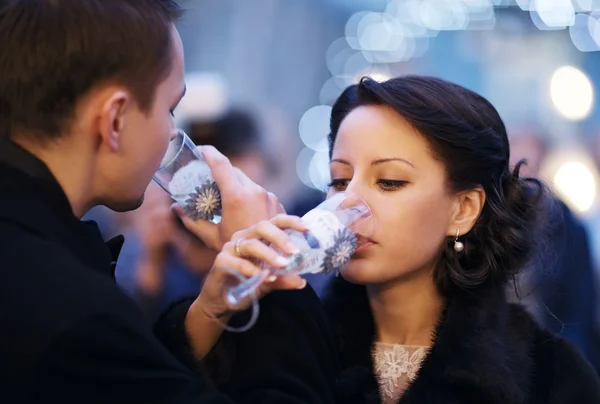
(355, 187)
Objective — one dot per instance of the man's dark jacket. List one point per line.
(69, 335)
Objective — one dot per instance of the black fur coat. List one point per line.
(484, 350)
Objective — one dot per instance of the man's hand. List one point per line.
(244, 202)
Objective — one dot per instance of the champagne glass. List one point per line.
(335, 228)
(186, 176)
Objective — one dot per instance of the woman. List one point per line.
(419, 313)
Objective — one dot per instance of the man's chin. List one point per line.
(126, 206)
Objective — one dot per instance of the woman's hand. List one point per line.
(242, 255)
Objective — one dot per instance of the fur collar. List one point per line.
(480, 353)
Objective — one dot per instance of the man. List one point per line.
(86, 93)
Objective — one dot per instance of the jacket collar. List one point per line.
(480, 349)
(32, 198)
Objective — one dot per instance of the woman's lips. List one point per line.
(362, 244)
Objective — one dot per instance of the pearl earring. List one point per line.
(458, 245)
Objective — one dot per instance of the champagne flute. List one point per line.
(187, 178)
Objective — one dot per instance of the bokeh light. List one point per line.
(314, 127)
(572, 93)
(575, 182)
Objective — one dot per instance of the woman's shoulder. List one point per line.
(560, 370)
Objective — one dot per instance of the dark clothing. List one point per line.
(70, 335)
(484, 351)
(179, 281)
(568, 292)
(292, 332)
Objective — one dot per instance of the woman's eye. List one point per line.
(338, 185)
(391, 185)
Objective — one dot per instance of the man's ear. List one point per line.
(112, 118)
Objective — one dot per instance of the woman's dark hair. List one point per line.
(466, 133)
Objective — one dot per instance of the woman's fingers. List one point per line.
(284, 221)
(256, 250)
(272, 232)
(243, 266)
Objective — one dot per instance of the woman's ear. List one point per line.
(469, 205)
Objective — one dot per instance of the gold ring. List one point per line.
(237, 247)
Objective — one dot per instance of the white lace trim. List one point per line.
(396, 366)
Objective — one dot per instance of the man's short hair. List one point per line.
(54, 52)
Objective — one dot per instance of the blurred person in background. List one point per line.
(529, 145)
(565, 299)
(161, 261)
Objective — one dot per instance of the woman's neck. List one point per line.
(406, 311)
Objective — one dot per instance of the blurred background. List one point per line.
(263, 74)
(286, 61)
